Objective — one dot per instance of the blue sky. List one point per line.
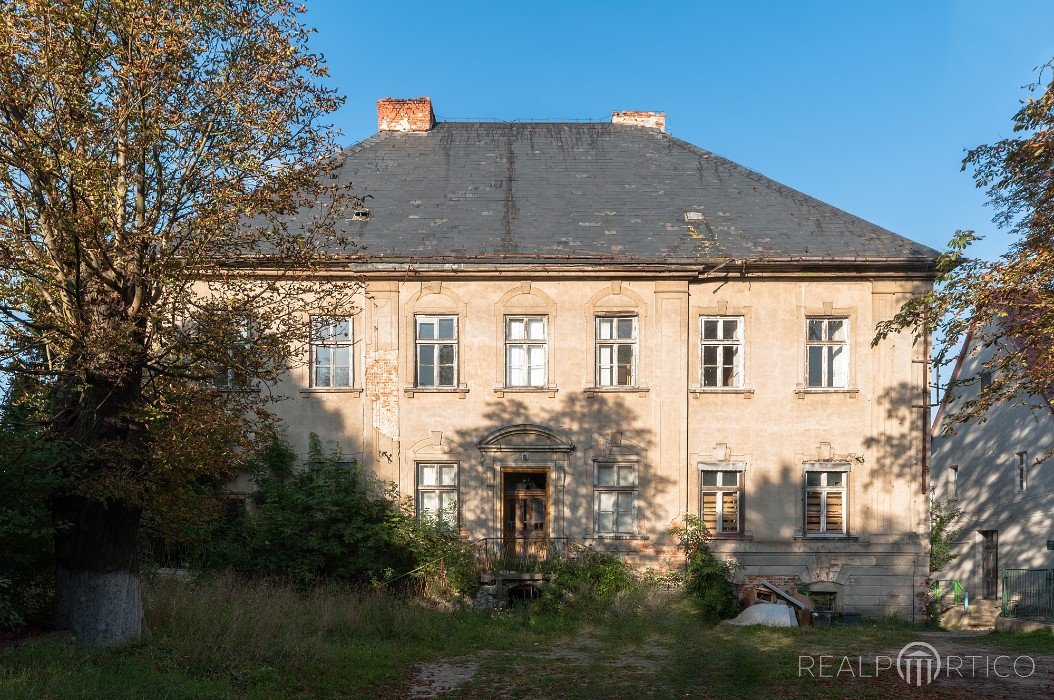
(865, 105)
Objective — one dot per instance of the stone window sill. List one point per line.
(591, 391)
(238, 389)
(461, 391)
(697, 391)
(500, 391)
(615, 536)
(801, 392)
(826, 538)
(353, 390)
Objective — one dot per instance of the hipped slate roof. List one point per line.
(555, 192)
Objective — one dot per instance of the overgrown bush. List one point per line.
(587, 578)
(707, 579)
(328, 521)
(943, 533)
(27, 552)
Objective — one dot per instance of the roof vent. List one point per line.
(691, 216)
(631, 117)
(360, 214)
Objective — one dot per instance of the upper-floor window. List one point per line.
(437, 493)
(1022, 471)
(827, 349)
(331, 350)
(231, 372)
(436, 352)
(953, 481)
(615, 498)
(526, 350)
(720, 500)
(826, 502)
(721, 352)
(616, 351)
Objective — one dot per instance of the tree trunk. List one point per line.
(97, 573)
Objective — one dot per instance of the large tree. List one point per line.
(1006, 304)
(165, 198)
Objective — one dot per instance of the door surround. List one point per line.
(526, 447)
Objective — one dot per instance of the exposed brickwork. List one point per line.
(632, 117)
(405, 115)
(786, 583)
(382, 388)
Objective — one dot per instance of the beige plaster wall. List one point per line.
(665, 424)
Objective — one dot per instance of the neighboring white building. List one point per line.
(994, 470)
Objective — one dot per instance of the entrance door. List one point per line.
(990, 564)
(525, 505)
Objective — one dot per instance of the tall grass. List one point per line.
(228, 621)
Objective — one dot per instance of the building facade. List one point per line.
(996, 472)
(588, 330)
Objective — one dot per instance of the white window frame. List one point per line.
(720, 488)
(535, 375)
(824, 470)
(614, 344)
(828, 346)
(434, 344)
(618, 491)
(736, 342)
(230, 380)
(452, 518)
(318, 340)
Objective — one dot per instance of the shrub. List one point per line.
(587, 578)
(27, 552)
(707, 579)
(943, 534)
(329, 521)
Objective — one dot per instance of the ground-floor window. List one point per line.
(826, 502)
(615, 498)
(437, 493)
(720, 499)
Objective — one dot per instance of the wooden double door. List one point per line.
(525, 513)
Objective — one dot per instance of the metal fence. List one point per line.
(1028, 593)
(520, 553)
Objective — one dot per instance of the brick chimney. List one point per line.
(405, 115)
(632, 117)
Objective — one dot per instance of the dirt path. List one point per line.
(972, 668)
(972, 663)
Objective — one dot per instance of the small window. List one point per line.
(827, 353)
(331, 350)
(721, 351)
(232, 373)
(953, 481)
(720, 499)
(1022, 471)
(616, 352)
(615, 499)
(526, 351)
(437, 493)
(436, 351)
(825, 502)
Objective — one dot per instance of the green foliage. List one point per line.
(943, 533)
(707, 579)
(328, 521)
(27, 552)
(587, 578)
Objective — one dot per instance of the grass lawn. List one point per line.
(222, 638)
